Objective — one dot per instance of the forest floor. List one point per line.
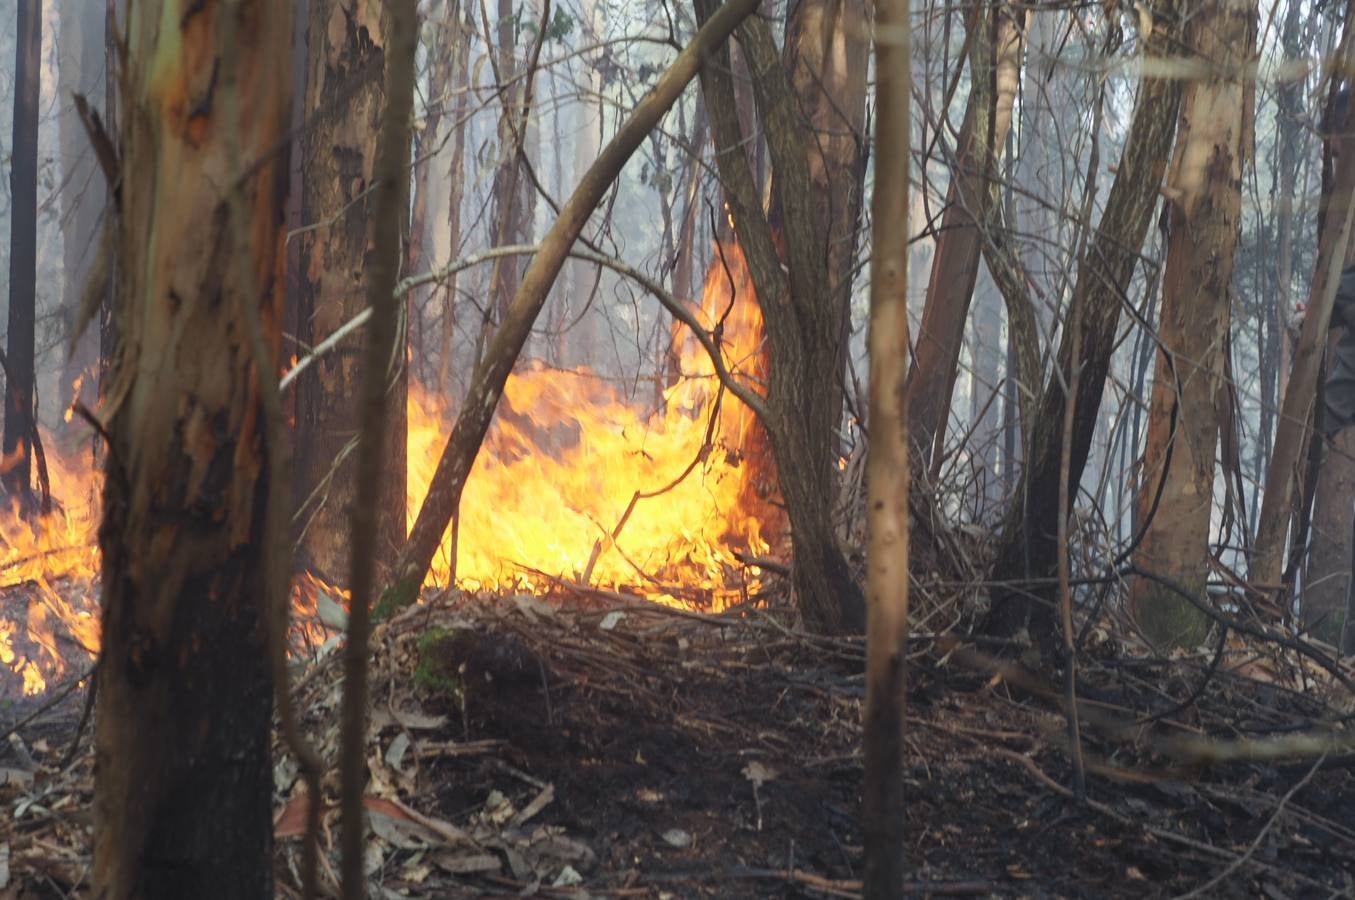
(592, 747)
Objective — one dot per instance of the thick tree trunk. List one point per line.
(1327, 581)
(16, 469)
(996, 59)
(1205, 196)
(344, 95)
(184, 784)
(1028, 547)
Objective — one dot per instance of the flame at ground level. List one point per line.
(576, 482)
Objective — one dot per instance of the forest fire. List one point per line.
(576, 484)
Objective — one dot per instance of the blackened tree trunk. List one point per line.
(1028, 546)
(16, 469)
(184, 784)
(344, 95)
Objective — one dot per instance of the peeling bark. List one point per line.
(184, 782)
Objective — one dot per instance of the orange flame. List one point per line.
(576, 482)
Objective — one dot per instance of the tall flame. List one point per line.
(577, 482)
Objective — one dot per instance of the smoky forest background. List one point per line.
(737, 448)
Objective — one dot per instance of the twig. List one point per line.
(48, 704)
(1246, 856)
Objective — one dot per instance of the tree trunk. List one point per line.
(985, 415)
(1295, 420)
(184, 784)
(887, 476)
(1205, 209)
(801, 301)
(995, 56)
(1028, 546)
(80, 71)
(455, 32)
(508, 192)
(344, 96)
(1327, 580)
(16, 469)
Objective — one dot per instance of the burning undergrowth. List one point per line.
(582, 484)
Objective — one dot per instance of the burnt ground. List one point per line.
(588, 747)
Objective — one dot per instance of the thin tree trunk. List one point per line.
(995, 58)
(84, 192)
(183, 793)
(1205, 185)
(16, 469)
(456, 34)
(346, 57)
(390, 182)
(1028, 546)
(887, 477)
(1295, 421)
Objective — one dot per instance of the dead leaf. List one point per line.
(395, 753)
(290, 821)
(676, 837)
(758, 773)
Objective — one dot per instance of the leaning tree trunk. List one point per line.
(182, 803)
(17, 467)
(1205, 208)
(344, 96)
(997, 43)
(1295, 421)
(1028, 546)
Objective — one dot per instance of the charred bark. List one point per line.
(183, 790)
(344, 96)
(17, 466)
